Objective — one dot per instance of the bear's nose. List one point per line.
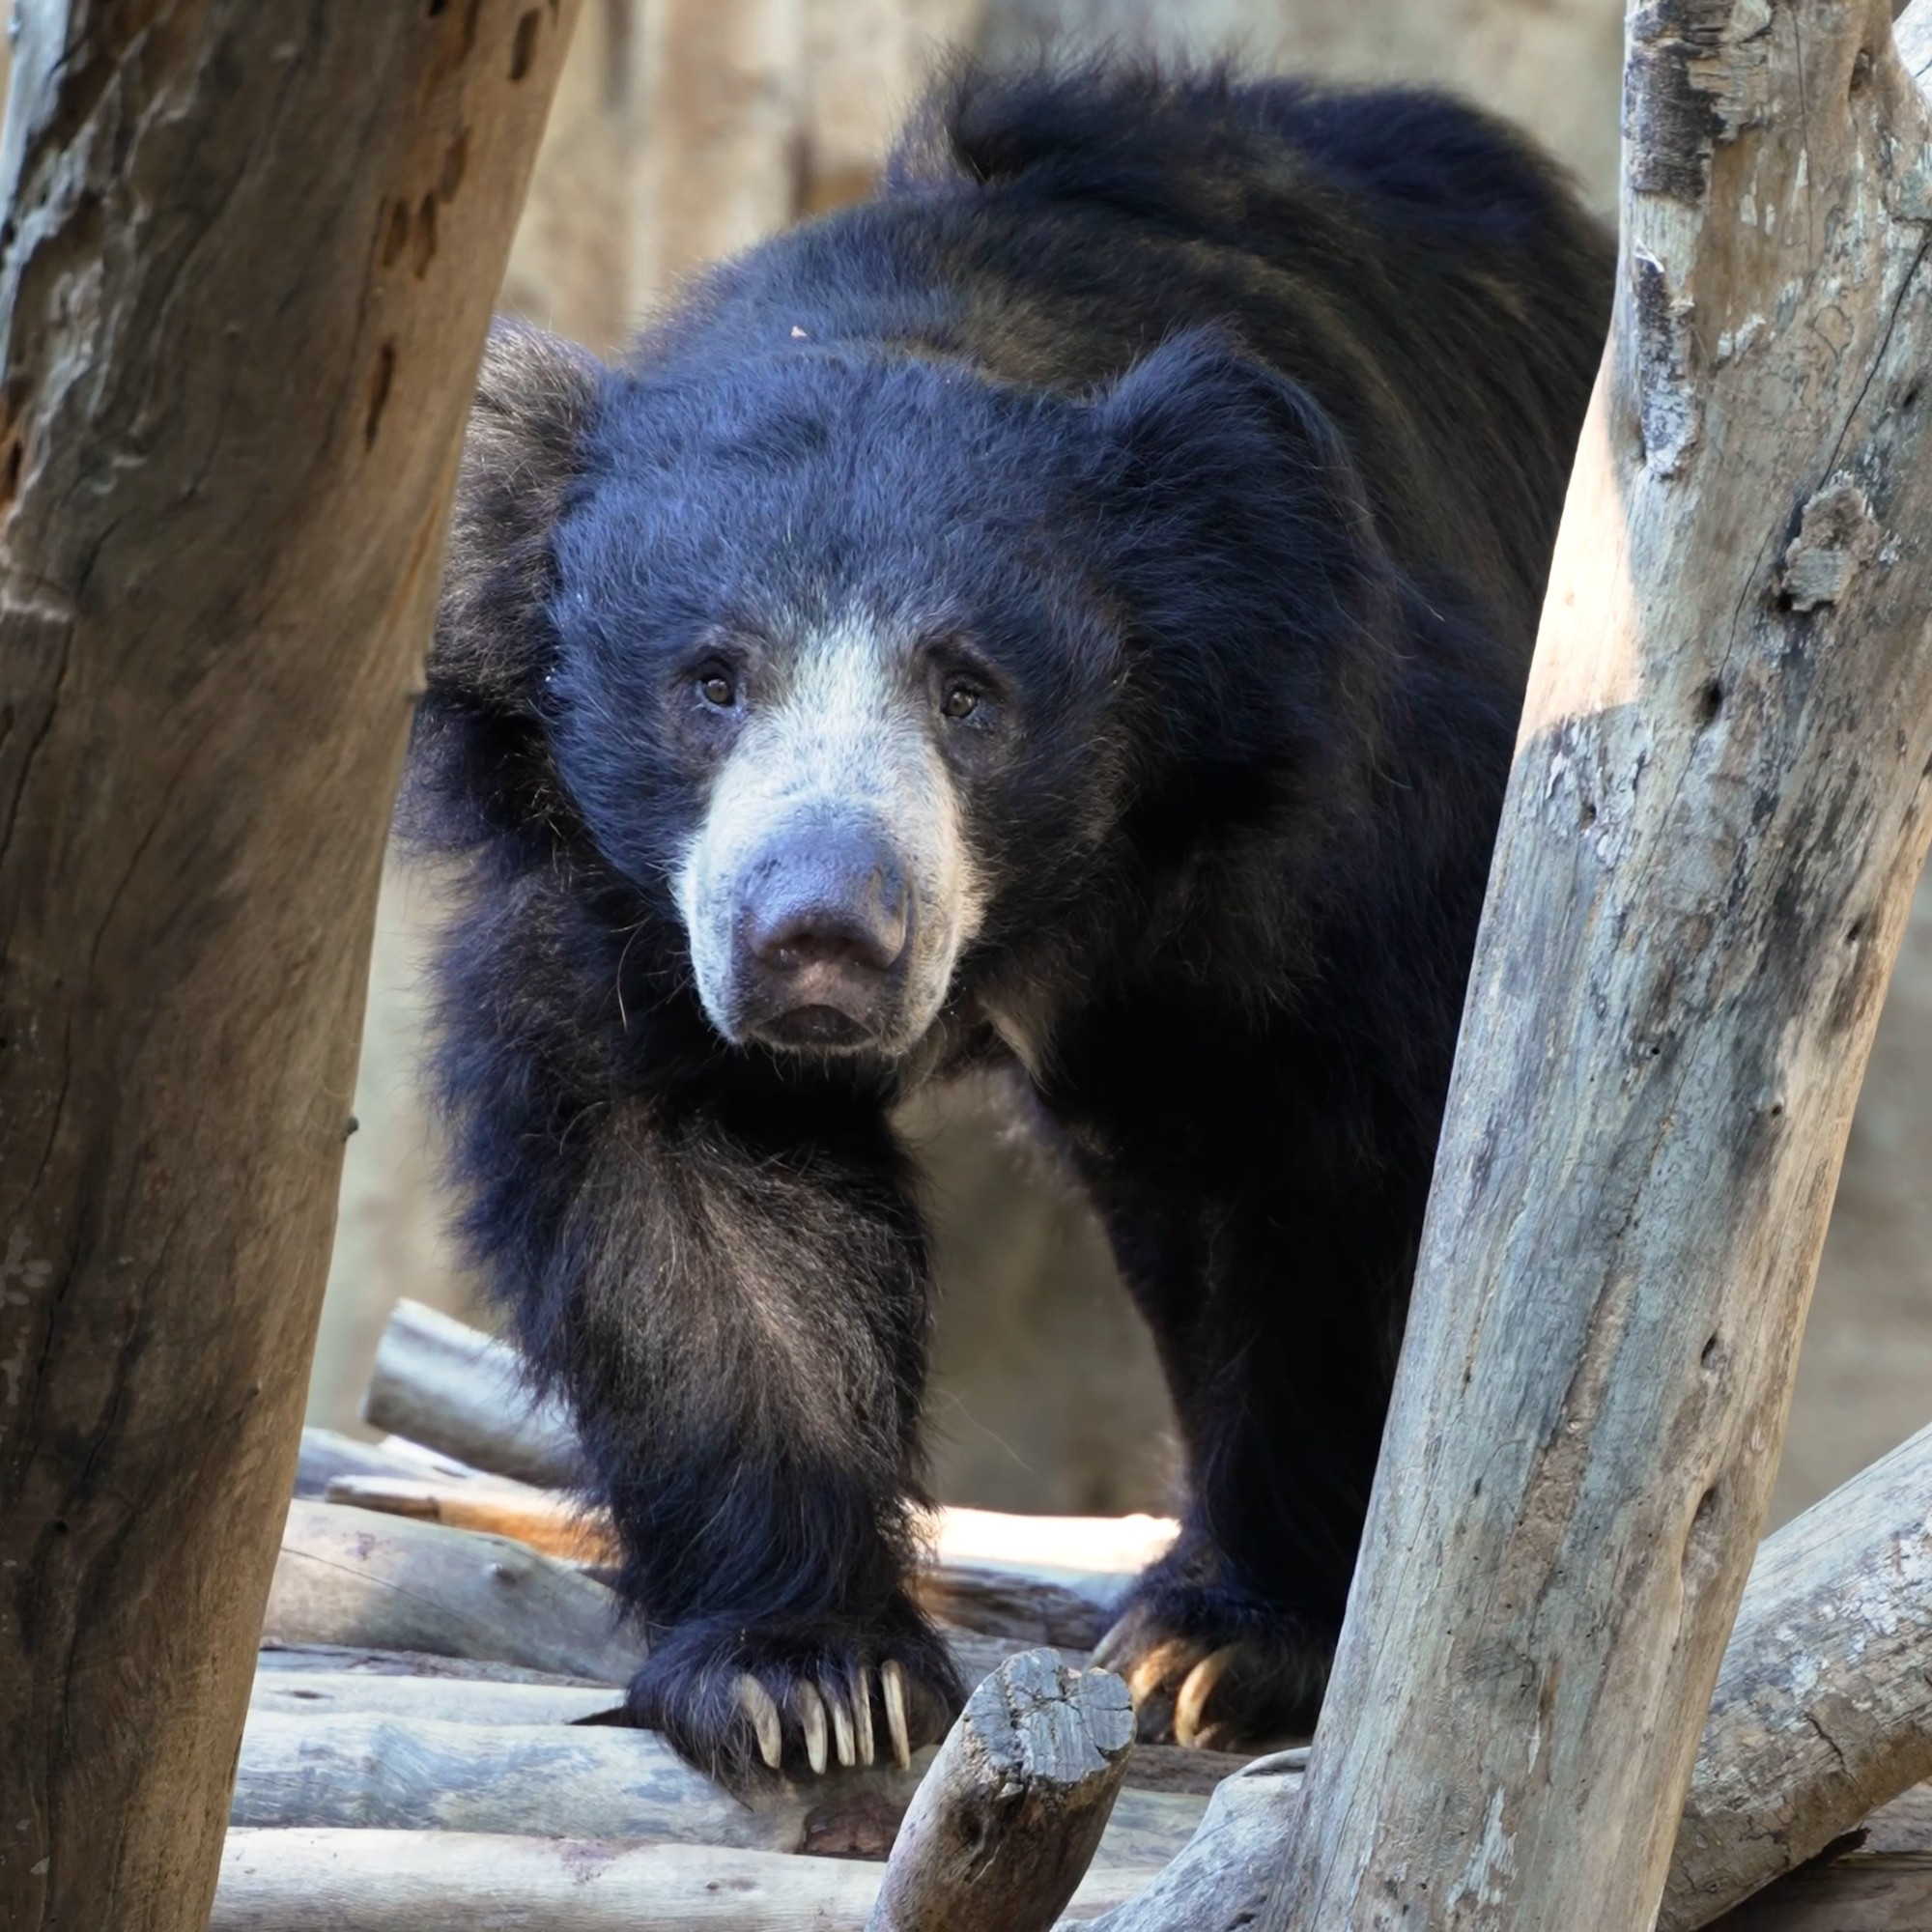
(824, 913)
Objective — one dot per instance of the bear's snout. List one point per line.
(822, 932)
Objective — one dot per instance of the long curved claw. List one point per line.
(843, 1743)
(811, 1720)
(1196, 1690)
(893, 1694)
(755, 1701)
(861, 1711)
(1164, 1662)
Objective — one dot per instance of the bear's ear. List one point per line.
(535, 396)
(1236, 533)
(477, 757)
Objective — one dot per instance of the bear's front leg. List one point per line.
(736, 1304)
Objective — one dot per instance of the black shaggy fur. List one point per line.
(1232, 420)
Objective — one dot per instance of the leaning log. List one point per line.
(1823, 1712)
(1008, 1819)
(451, 1387)
(1824, 1704)
(246, 264)
(454, 1881)
(391, 1583)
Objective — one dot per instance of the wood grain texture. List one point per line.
(385, 1583)
(1008, 1819)
(455, 1882)
(1823, 1709)
(246, 268)
(1821, 1714)
(413, 1770)
(453, 1388)
(452, 1700)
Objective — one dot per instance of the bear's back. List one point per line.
(1419, 269)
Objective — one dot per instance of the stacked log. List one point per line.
(432, 1737)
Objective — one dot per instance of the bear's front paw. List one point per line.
(732, 1696)
(1215, 1671)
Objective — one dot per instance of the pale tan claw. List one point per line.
(861, 1711)
(1111, 1646)
(1200, 1685)
(1164, 1662)
(812, 1717)
(842, 1742)
(755, 1701)
(893, 1693)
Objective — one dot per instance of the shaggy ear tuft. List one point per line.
(535, 396)
(1243, 545)
(477, 762)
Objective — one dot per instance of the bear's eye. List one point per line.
(961, 701)
(714, 687)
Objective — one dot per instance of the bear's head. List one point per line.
(861, 670)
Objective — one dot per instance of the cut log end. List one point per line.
(1007, 1818)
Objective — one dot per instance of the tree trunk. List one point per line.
(1714, 826)
(246, 265)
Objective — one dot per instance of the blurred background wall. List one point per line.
(686, 128)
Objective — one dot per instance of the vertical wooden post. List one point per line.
(246, 265)
(1717, 817)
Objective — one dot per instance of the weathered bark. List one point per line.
(1824, 1705)
(450, 1701)
(328, 1455)
(1008, 1819)
(369, 1769)
(335, 1659)
(386, 1771)
(1821, 1714)
(347, 1577)
(454, 1388)
(454, 1881)
(336, 1881)
(545, 1520)
(245, 269)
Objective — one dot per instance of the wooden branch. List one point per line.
(389, 1583)
(454, 1388)
(1006, 1820)
(412, 1771)
(325, 1880)
(281, 1658)
(545, 1520)
(1823, 1712)
(453, 1700)
(245, 269)
(366, 1770)
(329, 1456)
(1824, 1704)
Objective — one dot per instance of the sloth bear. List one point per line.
(1068, 613)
